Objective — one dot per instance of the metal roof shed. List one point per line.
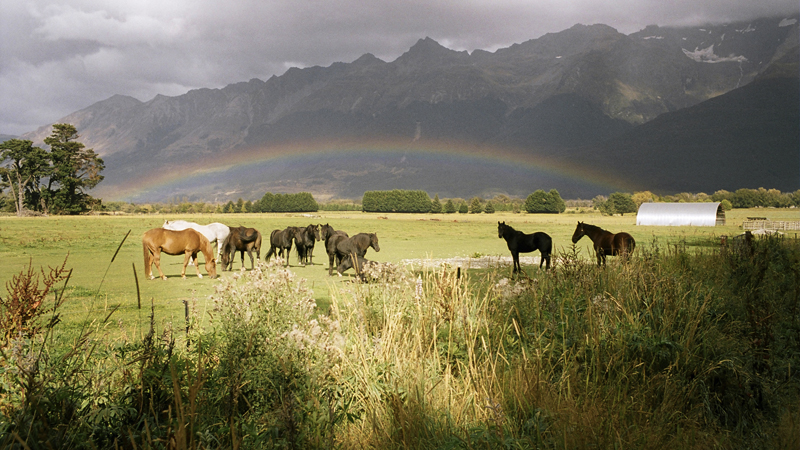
(678, 214)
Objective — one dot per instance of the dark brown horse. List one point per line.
(355, 247)
(187, 242)
(304, 242)
(282, 241)
(331, 238)
(605, 242)
(519, 242)
(240, 239)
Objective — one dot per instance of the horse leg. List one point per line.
(331, 257)
(250, 254)
(516, 267)
(157, 260)
(187, 257)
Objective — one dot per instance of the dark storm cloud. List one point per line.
(56, 58)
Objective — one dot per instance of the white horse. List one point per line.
(214, 232)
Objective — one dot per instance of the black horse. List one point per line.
(240, 239)
(519, 242)
(355, 247)
(332, 238)
(282, 241)
(304, 242)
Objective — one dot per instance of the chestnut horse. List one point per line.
(214, 232)
(605, 242)
(519, 242)
(187, 242)
(240, 239)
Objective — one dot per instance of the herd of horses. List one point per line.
(180, 237)
(344, 251)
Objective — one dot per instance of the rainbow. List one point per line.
(296, 154)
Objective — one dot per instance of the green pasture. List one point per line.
(98, 285)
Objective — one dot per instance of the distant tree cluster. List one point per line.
(300, 202)
(396, 200)
(54, 181)
(621, 203)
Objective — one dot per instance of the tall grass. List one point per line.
(670, 349)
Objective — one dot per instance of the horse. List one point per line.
(214, 232)
(360, 264)
(282, 241)
(304, 242)
(332, 238)
(188, 242)
(244, 240)
(519, 242)
(605, 242)
(355, 247)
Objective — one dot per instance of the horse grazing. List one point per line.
(214, 232)
(519, 242)
(280, 241)
(187, 242)
(304, 242)
(355, 247)
(332, 238)
(241, 239)
(605, 242)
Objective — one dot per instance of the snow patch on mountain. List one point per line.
(707, 55)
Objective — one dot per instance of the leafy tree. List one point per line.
(475, 206)
(436, 205)
(449, 207)
(726, 205)
(74, 170)
(555, 203)
(489, 209)
(463, 208)
(643, 197)
(23, 167)
(622, 203)
(544, 202)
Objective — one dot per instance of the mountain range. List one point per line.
(586, 111)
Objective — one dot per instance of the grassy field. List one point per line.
(88, 243)
(686, 346)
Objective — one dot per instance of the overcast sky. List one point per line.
(60, 57)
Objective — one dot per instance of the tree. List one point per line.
(436, 205)
(555, 203)
(622, 203)
(475, 206)
(536, 202)
(74, 170)
(23, 167)
(449, 207)
(643, 197)
(489, 209)
(463, 208)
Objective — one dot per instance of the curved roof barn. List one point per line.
(679, 214)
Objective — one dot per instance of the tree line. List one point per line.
(54, 181)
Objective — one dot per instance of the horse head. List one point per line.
(373, 241)
(501, 228)
(578, 234)
(211, 267)
(317, 235)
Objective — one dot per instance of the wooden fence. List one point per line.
(781, 225)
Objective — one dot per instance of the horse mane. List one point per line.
(591, 227)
